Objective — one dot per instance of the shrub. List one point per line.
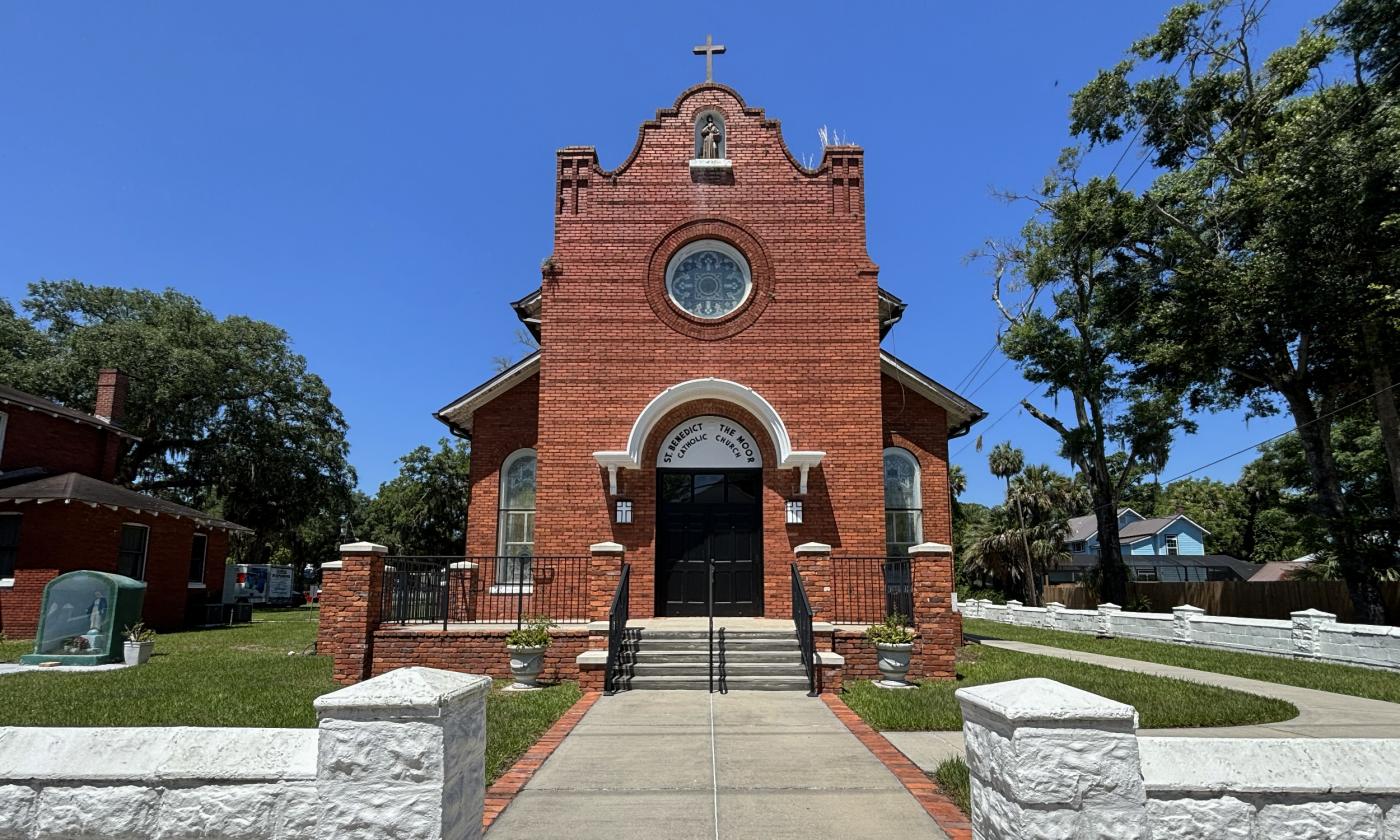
(891, 631)
(535, 633)
(139, 632)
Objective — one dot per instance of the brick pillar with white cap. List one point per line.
(938, 626)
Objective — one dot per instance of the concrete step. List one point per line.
(704, 644)
(703, 656)
(728, 634)
(701, 683)
(732, 670)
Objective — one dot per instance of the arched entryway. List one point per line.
(709, 519)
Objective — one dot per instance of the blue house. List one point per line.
(1163, 548)
(1162, 535)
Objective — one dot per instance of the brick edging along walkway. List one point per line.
(500, 794)
(943, 810)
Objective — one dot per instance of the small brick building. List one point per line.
(709, 389)
(60, 512)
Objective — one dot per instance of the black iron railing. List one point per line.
(617, 630)
(866, 589)
(484, 590)
(802, 620)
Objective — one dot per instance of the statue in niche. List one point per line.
(97, 613)
(711, 138)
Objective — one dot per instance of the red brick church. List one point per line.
(710, 393)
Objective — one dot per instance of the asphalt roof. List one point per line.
(14, 396)
(75, 487)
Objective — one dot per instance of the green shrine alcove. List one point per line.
(82, 617)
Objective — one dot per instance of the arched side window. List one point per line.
(904, 513)
(515, 541)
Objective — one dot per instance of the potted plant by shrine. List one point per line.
(526, 646)
(140, 641)
(894, 644)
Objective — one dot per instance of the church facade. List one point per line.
(709, 396)
(709, 366)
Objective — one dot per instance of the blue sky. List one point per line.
(377, 178)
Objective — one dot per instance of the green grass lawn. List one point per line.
(239, 676)
(1325, 676)
(956, 780)
(1161, 702)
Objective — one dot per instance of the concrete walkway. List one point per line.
(1321, 714)
(649, 764)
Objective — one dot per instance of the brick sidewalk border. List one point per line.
(943, 810)
(500, 794)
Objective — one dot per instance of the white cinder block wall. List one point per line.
(1309, 634)
(400, 755)
(1051, 761)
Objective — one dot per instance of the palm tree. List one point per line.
(1006, 461)
(1013, 548)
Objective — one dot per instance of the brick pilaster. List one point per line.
(604, 569)
(814, 567)
(938, 626)
(350, 601)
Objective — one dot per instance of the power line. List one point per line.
(1255, 104)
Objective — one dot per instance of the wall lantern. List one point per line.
(794, 511)
(624, 512)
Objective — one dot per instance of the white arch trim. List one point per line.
(708, 388)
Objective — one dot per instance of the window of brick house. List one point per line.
(199, 549)
(516, 523)
(904, 515)
(131, 555)
(9, 544)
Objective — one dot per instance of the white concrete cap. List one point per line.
(1187, 608)
(592, 657)
(1054, 605)
(1313, 613)
(1038, 701)
(363, 548)
(812, 548)
(823, 627)
(931, 548)
(1110, 607)
(332, 566)
(155, 754)
(828, 659)
(606, 548)
(1272, 766)
(403, 692)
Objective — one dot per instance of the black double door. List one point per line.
(703, 518)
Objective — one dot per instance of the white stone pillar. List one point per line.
(1106, 614)
(1052, 618)
(1306, 624)
(1011, 611)
(403, 755)
(1181, 621)
(1051, 761)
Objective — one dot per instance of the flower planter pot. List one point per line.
(525, 665)
(893, 662)
(137, 653)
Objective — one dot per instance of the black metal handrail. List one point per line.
(865, 590)
(802, 620)
(617, 628)
(710, 610)
(484, 590)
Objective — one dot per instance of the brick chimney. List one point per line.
(111, 395)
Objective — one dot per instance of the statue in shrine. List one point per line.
(711, 136)
(97, 613)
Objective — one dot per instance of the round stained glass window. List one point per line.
(708, 278)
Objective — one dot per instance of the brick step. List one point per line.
(653, 683)
(733, 669)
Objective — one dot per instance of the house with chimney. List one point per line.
(61, 511)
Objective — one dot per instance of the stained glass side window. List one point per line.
(708, 278)
(904, 514)
(516, 524)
